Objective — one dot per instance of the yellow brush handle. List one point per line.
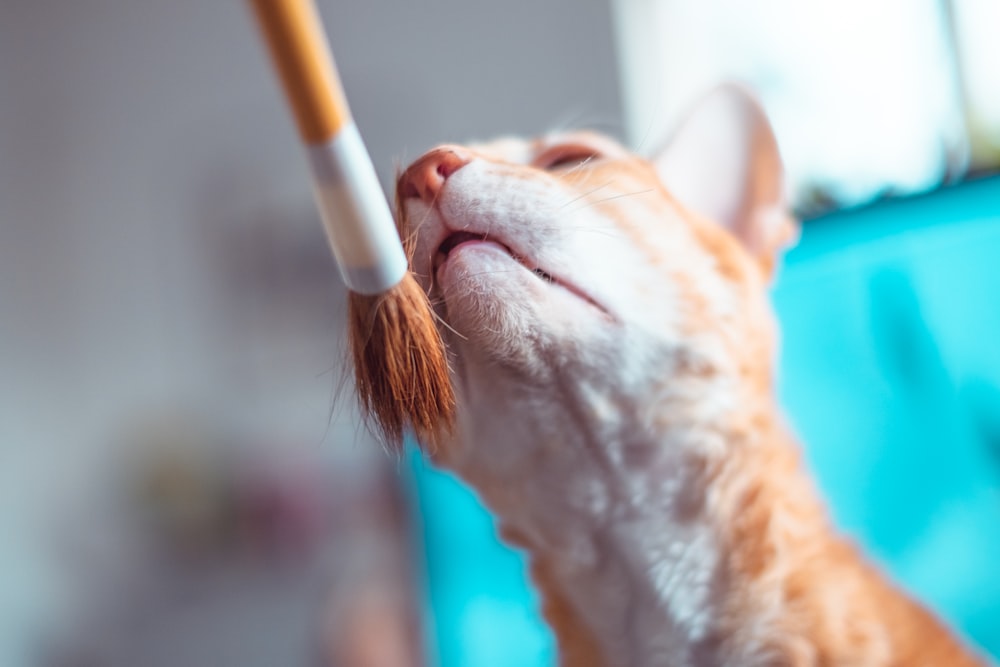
(357, 218)
(301, 54)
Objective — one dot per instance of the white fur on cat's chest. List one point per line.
(610, 524)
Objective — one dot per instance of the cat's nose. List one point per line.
(424, 178)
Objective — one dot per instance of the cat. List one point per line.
(612, 350)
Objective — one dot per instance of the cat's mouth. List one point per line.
(456, 239)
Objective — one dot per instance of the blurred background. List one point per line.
(182, 477)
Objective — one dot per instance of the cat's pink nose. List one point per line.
(425, 177)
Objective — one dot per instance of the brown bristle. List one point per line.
(400, 364)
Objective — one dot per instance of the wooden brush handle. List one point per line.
(355, 214)
(300, 51)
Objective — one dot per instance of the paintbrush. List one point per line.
(400, 364)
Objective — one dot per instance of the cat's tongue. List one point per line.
(460, 238)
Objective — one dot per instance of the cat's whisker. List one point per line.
(569, 119)
(491, 273)
(576, 168)
(584, 195)
(657, 102)
(580, 177)
(610, 232)
(450, 328)
(584, 118)
(611, 198)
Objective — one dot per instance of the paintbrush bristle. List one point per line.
(400, 364)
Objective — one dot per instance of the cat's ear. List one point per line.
(723, 163)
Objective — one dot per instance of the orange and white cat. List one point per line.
(613, 352)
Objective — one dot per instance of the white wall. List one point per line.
(862, 94)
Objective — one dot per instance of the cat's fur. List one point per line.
(613, 350)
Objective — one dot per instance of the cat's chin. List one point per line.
(496, 308)
(481, 275)
(482, 262)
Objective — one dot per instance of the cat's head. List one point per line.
(566, 266)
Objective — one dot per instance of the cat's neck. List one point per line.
(704, 543)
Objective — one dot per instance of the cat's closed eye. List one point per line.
(563, 156)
